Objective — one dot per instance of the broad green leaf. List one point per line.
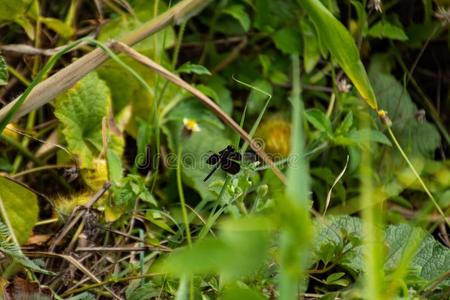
(415, 135)
(430, 260)
(335, 37)
(58, 26)
(240, 248)
(213, 136)
(21, 207)
(15, 11)
(384, 29)
(237, 292)
(288, 40)
(238, 12)
(81, 111)
(367, 134)
(189, 68)
(3, 71)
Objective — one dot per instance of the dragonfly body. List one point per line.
(227, 159)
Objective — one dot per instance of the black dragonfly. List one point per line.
(227, 159)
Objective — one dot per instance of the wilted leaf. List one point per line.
(21, 207)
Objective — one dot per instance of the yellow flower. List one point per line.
(276, 135)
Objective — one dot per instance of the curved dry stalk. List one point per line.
(119, 46)
(64, 79)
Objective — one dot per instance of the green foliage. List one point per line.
(189, 68)
(340, 242)
(8, 247)
(240, 249)
(3, 71)
(82, 110)
(418, 137)
(16, 11)
(21, 208)
(340, 44)
(385, 29)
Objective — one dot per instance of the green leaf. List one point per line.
(21, 207)
(415, 136)
(311, 51)
(430, 260)
(288, 40)
(81, 110)
(384, 29)
(237, 292)
(256, 100)
(189, 68)
(213, 136)
(240, 248)
(15, 11)
(367, 134)
(335, 37)
(115, 169)
(238, 12)
(3, 71)
(11, 249)
(58, 26)
(318, 119)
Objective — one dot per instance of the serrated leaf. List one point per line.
(81, 111)
(384, 29)
(288, 40)
(238, 12)
(335, 37)
(189, 68)
(430, 260)
(414, 136)
(21, 207)
(3, 71)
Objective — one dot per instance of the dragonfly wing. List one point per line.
(213, 159)
(231, 167)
